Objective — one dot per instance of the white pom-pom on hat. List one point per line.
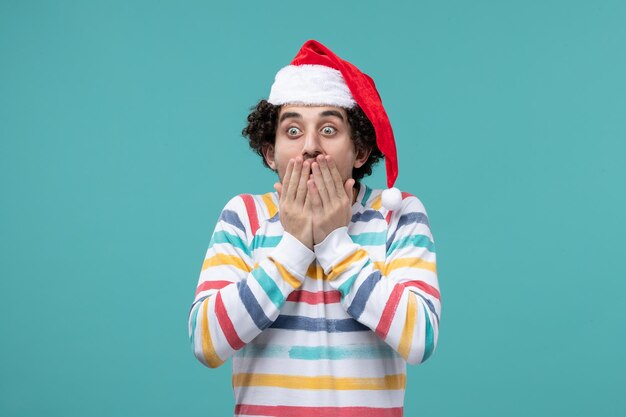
(392, 198)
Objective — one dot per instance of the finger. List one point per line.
(285, 182)
(328, 178)
(302, 188)
(308, 210)
(314, 196)
(334, 172)
(319, 182)
(294, 179)
(307, 200)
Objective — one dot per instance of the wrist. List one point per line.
(300, 233)
(302, 238)
(336, 246)
(292, 253)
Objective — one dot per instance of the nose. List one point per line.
(312, 146)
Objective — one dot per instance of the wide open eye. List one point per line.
(328, 130)
(293, 131)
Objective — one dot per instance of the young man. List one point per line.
(323, 290)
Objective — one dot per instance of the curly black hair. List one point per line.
(261, 132)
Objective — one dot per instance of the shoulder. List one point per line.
(260, 205)
(410, 218)
(412, 203)
(372, 199)
(249, 211)
(412, 208)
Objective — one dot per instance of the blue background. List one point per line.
(120, 143)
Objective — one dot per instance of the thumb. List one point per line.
(279, 188)
(348, 187)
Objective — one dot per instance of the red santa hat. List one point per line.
(316, 76)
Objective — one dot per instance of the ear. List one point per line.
(268, 154)
(361, 157)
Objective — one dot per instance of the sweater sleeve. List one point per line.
(235, 300)
(398, 299)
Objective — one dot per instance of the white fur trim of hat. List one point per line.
(311, 85)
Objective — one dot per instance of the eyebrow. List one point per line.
(295, 115)
(332, 113)
(288, 115)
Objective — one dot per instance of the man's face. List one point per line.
(308, 131)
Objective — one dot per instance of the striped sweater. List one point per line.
(318, 333)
